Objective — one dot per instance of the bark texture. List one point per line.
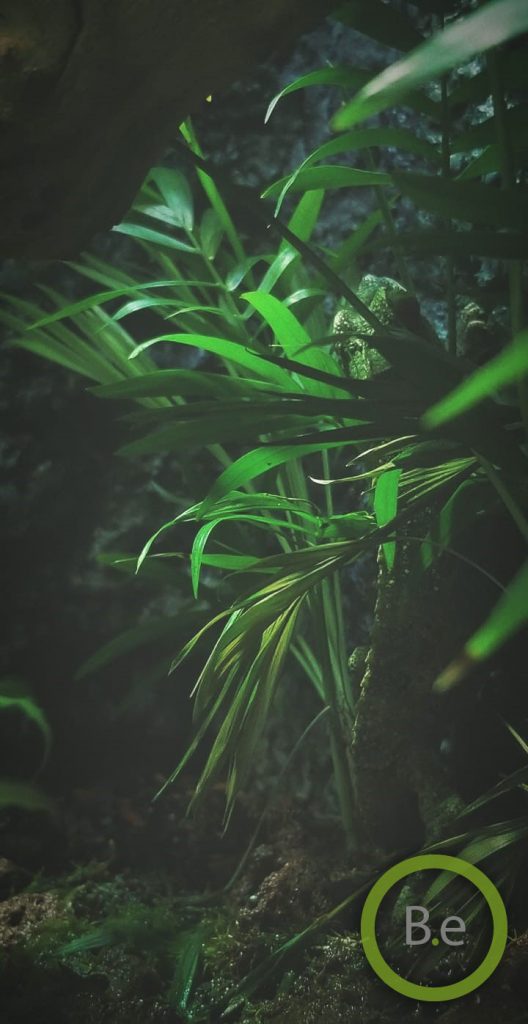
(91, 91)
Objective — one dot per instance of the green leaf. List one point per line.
(293, 338)
(233, 563)
(230, 351)
(157, 211)
(301, 224)
(149, 302)
(348, 78)
(509, 615)
(365, 138)
(155, 237)
(305, 217)
(15, 694)
(158, 569)
(348, 526)
(510, 365)
(211, 232)
(253, 465)
(491, 25)
(356, 140)
(198, 550)
(517, 778)
(24, 795)
(171, 383)
(241, 270)
(188, 950)
(213, 195)
(258, 639)
(468, 502)
(327, 176)
(346, 254)
(72, 309)
(386, 507)
(139, 636)
(175, 190)
(519, 739)
(490, 159)
(249, 423)
(466, 201)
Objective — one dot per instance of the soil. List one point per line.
(130, 891)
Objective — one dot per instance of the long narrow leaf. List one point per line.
(510, 365)
(491, 25)
(509, 615)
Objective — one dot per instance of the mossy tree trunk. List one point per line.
(405, 793)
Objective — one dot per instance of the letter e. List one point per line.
(457, 926)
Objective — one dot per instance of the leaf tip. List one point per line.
(454, 673)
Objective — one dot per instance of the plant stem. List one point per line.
(339, 722)
(326, 626)
(336, 685)
(338, 602)
(212, 192)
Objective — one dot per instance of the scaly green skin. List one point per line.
(359, 359)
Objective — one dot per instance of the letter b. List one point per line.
(411, 925)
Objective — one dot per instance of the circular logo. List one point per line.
(437, 862)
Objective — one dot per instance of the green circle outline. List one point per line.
(438, 862)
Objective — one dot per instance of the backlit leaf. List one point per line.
(25, 796)
(492, 24)
(510, 365)
(144, 234)
(15, 695)
(386, 507)
(509, 615)
(175, 190)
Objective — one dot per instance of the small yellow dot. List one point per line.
(435, 942)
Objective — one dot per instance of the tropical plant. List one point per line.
(16, 697)
(269, 402)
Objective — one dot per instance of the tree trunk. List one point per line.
(92, 90)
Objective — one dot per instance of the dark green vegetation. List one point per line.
(321, 423)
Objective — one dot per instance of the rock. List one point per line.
(22, 915)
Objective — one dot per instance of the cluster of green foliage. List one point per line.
(273, 408)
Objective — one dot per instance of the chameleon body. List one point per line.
(393, 306)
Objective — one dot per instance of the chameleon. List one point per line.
(402, 791)
(393, 305)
